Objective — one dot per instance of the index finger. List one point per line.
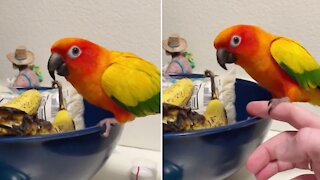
(287, 112)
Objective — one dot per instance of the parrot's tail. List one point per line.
(313, 96)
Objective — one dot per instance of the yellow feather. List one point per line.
(293, 55)
(130, 79)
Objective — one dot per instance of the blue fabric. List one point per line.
(28, 78)
(181, 66)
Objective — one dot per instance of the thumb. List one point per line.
(303, 146)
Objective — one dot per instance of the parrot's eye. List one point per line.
(74, 52)
(235, 41)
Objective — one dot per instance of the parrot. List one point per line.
(279, 64)
(119, 82)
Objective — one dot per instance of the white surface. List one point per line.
(243, 174)
(199, 22)
(124, 158)
(143, 133)
(132, 26)
(119, 165)
(144, 170)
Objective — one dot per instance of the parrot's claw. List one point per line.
(108, 122)
(275, 102)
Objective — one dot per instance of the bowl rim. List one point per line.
(215, 130)
(55, 136)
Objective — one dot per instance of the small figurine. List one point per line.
(182, 61)
(29, 74)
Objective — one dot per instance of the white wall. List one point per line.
(132, 26)
(200, 21)
(135, 26)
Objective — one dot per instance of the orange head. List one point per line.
(238, 43)
(72, 55)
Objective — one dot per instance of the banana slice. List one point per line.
(215, 112)
(63, 120)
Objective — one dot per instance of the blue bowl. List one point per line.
(216, 153)
(72, 155)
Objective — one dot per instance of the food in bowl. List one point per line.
(19, 116)
(178, 117)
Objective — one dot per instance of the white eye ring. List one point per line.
(235, 41)
(74, 52)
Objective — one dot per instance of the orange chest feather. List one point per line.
(89, 87)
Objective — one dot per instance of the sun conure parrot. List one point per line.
(120, 82)
(279, 64)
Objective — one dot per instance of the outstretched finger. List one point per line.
(287, 112)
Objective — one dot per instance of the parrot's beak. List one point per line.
(56, 63)
(225, 57)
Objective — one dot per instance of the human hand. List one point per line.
(289, 149)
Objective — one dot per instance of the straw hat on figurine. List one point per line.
(21, 56)
(174, 44)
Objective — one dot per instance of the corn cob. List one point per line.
(28, 102)
(179, 93)
(18, 116)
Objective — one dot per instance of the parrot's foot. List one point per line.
(275, 102)
(108, 122)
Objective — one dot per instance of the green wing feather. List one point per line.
(133, 83)
(295, 60)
